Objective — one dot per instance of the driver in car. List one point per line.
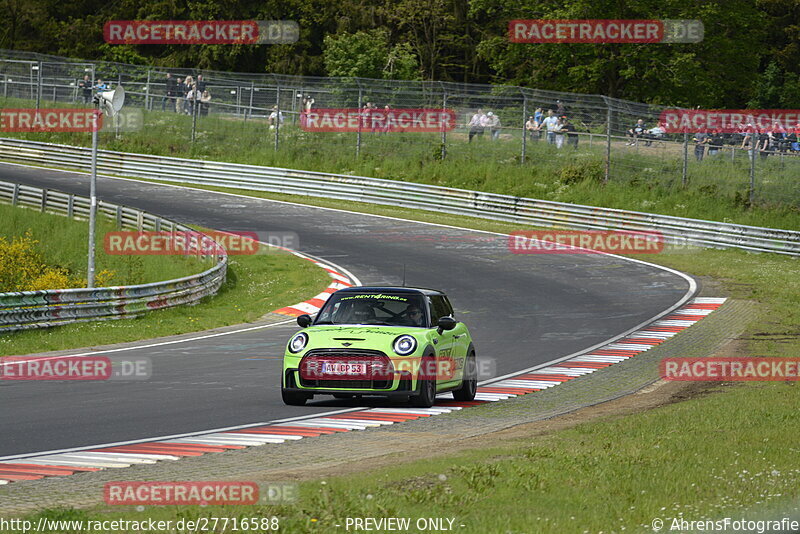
(414, 315)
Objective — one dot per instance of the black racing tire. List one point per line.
(469, 385)
(427, 386)
(295, 398)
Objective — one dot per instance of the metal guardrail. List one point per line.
(38, 309)
(389, 192)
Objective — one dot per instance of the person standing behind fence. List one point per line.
(493, 122)
(572, 133)
(715, 143)
(531, 128)
(538, 118)
(476, 125)
(275, 118)
(86, 89)
(205, 102)
(551, 124)
(180, 90)
(169, 93)
(200, 83)
(700, 141)
(559, 132)
(188, 86)
(192, 97)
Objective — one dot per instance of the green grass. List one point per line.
(644, 179)
(255, 285)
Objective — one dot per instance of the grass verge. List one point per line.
(643, 178)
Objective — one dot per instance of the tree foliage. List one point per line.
(750, 54)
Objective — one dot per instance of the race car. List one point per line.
(396, 342)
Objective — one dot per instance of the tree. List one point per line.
(368, 54)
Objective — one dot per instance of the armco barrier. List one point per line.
(38, 309)
(428, 197)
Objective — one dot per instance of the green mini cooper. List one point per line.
(397, 342)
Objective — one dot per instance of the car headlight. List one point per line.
(298, 342)
(405, 345)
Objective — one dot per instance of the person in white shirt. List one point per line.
(476, 124)
(275, 118)
(551, 125)
(493, 123)
(559, 133)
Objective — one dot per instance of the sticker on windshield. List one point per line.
(375, 296)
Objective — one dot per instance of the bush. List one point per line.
(22, 267)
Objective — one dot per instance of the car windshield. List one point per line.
(388, 309)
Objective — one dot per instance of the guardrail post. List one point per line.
(524, 131)
(119, 217)
(15, 195)
(44, 200)
(685, 171)
(140, 221)
(158, 225)
(71, 206)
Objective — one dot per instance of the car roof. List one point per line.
(391, 289)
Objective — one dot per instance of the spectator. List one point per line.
(100, 85)
(701, 139)
(560, 109)
(656, 133)
(201, 83)
(532, 128)
(538, 117)
(85, 86)
(765, 144)
(180, 91)
(170, 93)
(493, 122)
(192, 97)
(793, 137)
(188, 85)
(275, 118)
(571, 131)
(305, 106)
(388, 121)
(205, 102)
(551, 124)
(637, 131)
(715, 143)
(475, 125)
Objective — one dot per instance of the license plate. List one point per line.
(344, 368)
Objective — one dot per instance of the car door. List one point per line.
(447, 362)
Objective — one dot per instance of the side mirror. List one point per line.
(446, 323)
(304, 320)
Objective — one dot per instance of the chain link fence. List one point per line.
(265, 110)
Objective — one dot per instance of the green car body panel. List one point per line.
(444, 351)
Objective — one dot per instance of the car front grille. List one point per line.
(379, 370)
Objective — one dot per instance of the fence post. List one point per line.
(38, 84)
(444, 130)
(608, 142)
(685, 172)
(524, 131)
(358, 134)
(277, 117)
(250, 108)
(753, 153)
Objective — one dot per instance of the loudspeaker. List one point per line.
(113, 101)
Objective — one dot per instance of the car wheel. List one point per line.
(427, 386)
(294, 398)
(469, 385)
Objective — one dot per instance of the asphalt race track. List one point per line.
(522, 310)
